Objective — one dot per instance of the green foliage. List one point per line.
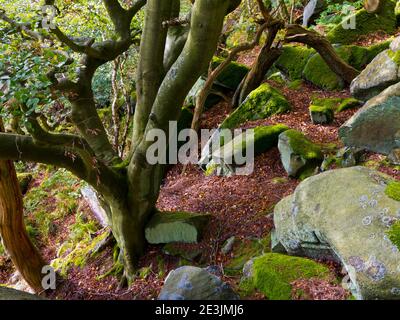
(337, 11)
(393, 190)
(261, 103)
(273, 273)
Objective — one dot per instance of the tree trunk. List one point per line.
(24, 255)
(296, 33)
(265, 60)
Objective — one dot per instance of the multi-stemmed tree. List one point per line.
(129, 186)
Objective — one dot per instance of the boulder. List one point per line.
(376, 126)
(321, 114)
(365, 23)
(273, 273)
(167, 227)
(293, 60)
(193, 283)
(232, 75)
(345, 215)
(298, 153)
(212, 99)
(261, 103)
(12, 294)
(225, 159)
(382, 72)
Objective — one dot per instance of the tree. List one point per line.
(23, 253)
(130, 186)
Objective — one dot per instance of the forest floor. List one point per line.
(241, 206)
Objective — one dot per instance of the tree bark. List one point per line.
(24, 255)
(296, 33)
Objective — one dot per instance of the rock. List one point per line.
(273, 273)
(12, 294)
(227, 159)
(261, 103)
(212, 98)
(176, 227)
(376, 126)
(175, 249)
(365, 23)
(336, 104)
(319, 73)
(349, 157)
(321, 114)
(293, 60)
(90, 196)
(24, 180)
(192, 283)
(298, 153)
(344, 215)
(381, 73)
(232, 75)
(228, 245)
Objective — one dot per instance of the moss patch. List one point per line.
(302, 146)
(336, 104)
(393, 190)
(261, 103)
(273, 273)
(384, 20)
(232, 75)
(395, 56)
(394, 234)
(293, 60)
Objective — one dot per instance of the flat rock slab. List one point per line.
(344, 215)
(167, 227)
(12, 294)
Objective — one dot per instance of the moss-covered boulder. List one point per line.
(293, 60)
(261, 103)
(384, 19)
(345, 215)
(230, 155)
(166, 227)
(382, 72)
(298, 153)
(336, 104)
(193, 283)
(232, 75)
(12, 294)
(319, 73)
(273, 273)
(376, 126)
(321, 114)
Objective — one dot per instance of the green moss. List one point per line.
(393, 190)
(394, 234)
(273, 273)
(302, 146)
(293, 60)
(366, 23)
(395, 56)
(246, 250)
(232, 75)
(336, 104)
(261, 103)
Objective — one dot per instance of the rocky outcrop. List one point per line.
(193, 283)
(345, 215)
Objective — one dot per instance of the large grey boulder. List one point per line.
(344, 215)
(12, 294)
(382, 72)
(193, 283)
(376, 126)
(167, 227)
